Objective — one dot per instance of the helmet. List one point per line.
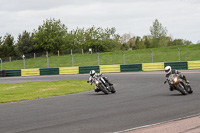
(92, 73)
(168, 69)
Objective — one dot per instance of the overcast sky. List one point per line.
(180, 17)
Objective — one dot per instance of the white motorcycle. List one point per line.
(101, 85)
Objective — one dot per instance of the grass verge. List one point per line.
(163, 54)
(33, 90)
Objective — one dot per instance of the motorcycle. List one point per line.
(101, 85)
(179, 84)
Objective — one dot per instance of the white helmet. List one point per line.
(168, 69)
(92, 73)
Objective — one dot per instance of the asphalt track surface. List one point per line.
(141, 99)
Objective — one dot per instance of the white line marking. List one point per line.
(145, 126)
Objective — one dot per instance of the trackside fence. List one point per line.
(102, 68)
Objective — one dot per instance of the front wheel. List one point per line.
(190, 91)
(103, 89)
(112, 89)
(181, 88)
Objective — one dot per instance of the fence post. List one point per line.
(34, 55)
(98, 59)
(24, 61)
(152, 55)
(179, 54)
(123, 57)
(58, 53)
(72, 60)
(47, 60)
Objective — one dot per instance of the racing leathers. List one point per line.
(98, 75)
(180, 75)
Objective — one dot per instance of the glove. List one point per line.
(87, 81)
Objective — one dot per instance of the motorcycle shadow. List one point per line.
(177, 95)
(172, 95)
(100, 94)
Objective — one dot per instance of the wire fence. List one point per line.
(44, 54)
(70, 58)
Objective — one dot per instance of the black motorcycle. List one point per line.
(179, 84)
(101, 85)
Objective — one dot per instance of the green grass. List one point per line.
(163, 54)
(33, 90)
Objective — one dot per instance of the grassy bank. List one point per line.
(34, 90)
(163, 54)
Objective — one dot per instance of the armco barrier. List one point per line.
(11, 73)
(131, 68)
(49, 71)
(30, 72)
(177, 65)
(87, 69)
(68, 70)
(152, 66)
(109, 68)
(2, 73)
(193, 64)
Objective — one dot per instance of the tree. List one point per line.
(179, 42)
(186, 42)
(159, 34)
(50, 36)
(7, 47)
(125, 38)
(147, 41)
(131, 42)
(25, 43)
(157, 30)
(1, 40)
(139, 44)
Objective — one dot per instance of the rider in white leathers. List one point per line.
(93, 74)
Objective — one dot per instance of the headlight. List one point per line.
(175, 79)
(97, 82)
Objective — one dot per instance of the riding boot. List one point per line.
(187, 81)
(97, 90)
(171, 88)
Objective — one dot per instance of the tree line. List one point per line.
(158, 38)
(52, 36)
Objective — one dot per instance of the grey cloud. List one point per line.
(180, 17)
(20, 5)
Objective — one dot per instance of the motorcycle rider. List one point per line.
(170, 71)
(93, 74)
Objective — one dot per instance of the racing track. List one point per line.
(141, 99)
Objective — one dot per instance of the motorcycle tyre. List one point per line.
(182, 90)
(190, 90)
(103, 89)
(112, 89)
